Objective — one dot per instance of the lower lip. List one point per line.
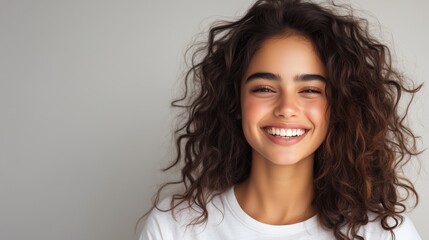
(285, 140)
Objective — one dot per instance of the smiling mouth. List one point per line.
(285, 132)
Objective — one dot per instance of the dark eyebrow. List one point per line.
(272, 76)
(309, 77)
(263, 75)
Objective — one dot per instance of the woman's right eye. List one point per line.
(262, 90)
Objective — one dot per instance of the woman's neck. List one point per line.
(278, 195)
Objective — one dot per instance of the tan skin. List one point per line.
(282, 89)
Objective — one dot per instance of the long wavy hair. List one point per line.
(358, 167)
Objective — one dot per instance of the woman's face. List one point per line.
(283, 101)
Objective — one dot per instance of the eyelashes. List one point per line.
(312, 90)
(267, 89)
(262, 89)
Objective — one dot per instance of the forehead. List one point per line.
(285, 55)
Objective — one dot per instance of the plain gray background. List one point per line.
(85, 123)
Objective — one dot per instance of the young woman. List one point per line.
(293, 132)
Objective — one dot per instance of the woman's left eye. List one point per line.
(311, 90)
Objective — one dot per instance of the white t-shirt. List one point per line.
(228, 221)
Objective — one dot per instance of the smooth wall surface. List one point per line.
(85, 122)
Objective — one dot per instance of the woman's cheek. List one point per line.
(317, 112)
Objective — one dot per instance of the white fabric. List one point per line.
(228, 221)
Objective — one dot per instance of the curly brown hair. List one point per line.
(357, 168)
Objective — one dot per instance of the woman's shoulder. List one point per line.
(167, 222)
(405, 230)
(163, 221)
(156, 220)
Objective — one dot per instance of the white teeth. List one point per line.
(282, 132)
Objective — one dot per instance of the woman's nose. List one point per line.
(286, 106)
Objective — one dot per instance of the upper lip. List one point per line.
(286, 126)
